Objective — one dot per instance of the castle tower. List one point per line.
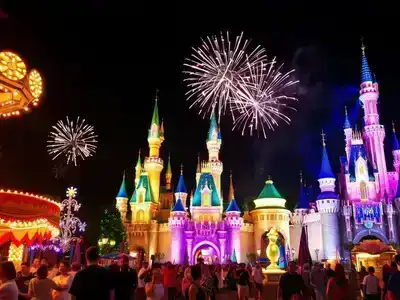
(153, 164)
(176, 224)
(168, 175)
(374, 132)
(181, 192)
(214, 141)
(122, 200)
(328, 206)
(234, 223)
(270, 211)
(138, 169)
(347, 133)
(396, 151)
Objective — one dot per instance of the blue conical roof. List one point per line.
(178, 206)
(366, 74)
(122, 190)
(233, 206)
(326, 169)
(181, 188)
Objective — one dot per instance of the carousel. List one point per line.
(26, 220)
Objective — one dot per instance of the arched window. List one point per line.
(140, 216)
(363, 190)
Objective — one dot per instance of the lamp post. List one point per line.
(69, 223)
(316, 253)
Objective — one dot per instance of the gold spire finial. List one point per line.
(345, 111)
(156, 97)
(393, 126)
(323, 138)
(301, 176)
(181, 168)
(124, 174)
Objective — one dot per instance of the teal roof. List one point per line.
(178, 206)
(269, 191)
(143, 182)
(233, 206)
(213, 128)
(122, 190)
(206, 178)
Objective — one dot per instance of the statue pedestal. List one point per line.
(271, 282)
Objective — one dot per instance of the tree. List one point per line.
(112, 229)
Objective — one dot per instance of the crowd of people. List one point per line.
(321, 283)
(120, 281)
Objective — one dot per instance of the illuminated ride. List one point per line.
(20, 88)
(26, 220)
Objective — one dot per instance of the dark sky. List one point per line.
(103, 60)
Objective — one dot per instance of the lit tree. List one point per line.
(68, 222)
(112, 233)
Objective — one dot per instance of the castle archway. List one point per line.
(206, 250)
(370, 232)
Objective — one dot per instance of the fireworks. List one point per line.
(75, 140)
(223, 75)
(216, 68)
(262, 99)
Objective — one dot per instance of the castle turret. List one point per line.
(347, 133)
(328, 206)
(138, 169)
(168, 175)
(374, 132)
(181, 191)
(214, 141)
(122, 200)
(153, 164)
(176, 224)
(396, 151)
(234, 223)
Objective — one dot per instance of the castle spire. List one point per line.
(347, 124)
(122, 190)
(396, 145)
(155, 130)
(213, 132)
(139, 161)
(181, 188)
(326, 169)
(198, 168)
(303, 201)
(232, 207)
(168, 174)
(366, 74)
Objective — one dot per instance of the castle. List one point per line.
(354, 216)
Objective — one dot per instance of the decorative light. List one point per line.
(15, 253)
(112, 243)
(12, 66)
(35, 84)
(104, 240)
(69, 223)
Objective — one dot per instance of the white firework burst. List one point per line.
(216, 69)
(262, 100)
(74, 139)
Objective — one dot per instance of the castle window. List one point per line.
(141, 198)
(280, 217)
(206, 218)
(140, 216)
(262, 217)
(363, 190)
(206, 199)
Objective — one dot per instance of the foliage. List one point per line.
(251, 257)
(111, 227)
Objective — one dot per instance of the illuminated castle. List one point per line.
(353, 216)
(356, 216)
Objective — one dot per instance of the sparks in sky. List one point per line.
(74, 139)
(216, 69)
(263, 99)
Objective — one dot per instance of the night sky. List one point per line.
(104, 60)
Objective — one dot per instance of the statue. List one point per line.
(273, 249)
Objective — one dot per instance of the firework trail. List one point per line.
(75, 140)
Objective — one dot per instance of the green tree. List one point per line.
(112, 229)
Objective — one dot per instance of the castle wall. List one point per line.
(314, 233)
(295, 234)
(164, 241)
(246, 241)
